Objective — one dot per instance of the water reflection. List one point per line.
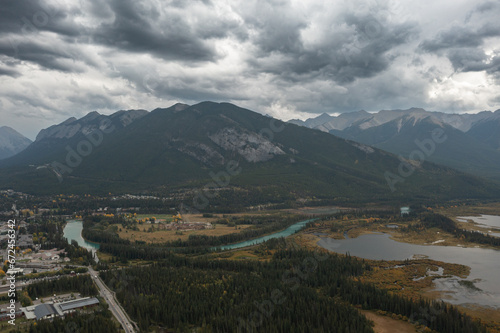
(484, 264)
(73, 231)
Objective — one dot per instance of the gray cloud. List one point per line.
(473, 60)
(484, 7)
(50, 57)
(460, 36)
(44, 34)
(358, 49)
(148, 29)
(456, 37)
(464, 45)
(61, 58)
(277, 26)
(9, 72)
(33, 16)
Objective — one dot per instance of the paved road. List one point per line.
(114, 306)
(108, 295)
(24, 283)
(5, 288)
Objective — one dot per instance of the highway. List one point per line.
(114, 306)
(109, 296)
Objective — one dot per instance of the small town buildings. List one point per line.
(25, 241)
(405, 211)
(50, 309)
(13, 271)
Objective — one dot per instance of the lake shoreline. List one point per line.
(76, 234)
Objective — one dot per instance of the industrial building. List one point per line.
(50, 310)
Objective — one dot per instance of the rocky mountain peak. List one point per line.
(11, 142)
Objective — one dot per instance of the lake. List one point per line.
(484, 264)
(484, 221)
(284, 233)
(73, 231)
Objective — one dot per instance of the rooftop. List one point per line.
(44, 310)
(78, 303)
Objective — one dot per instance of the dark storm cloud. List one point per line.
(464, 45)
(8, 72)
(284, 57)
(473, 60)
(131, 26)
(278, 27)
(186, 4)
(360, 52)
(15, 14)
(32, 16)
(480, 23)
(142, 28)
(370, 56)
(23, 28)
(50, 57)
(458, 37)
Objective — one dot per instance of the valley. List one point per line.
(253, 218)
(131, 239)
(449, 278)
(470, 141)
(217, 166)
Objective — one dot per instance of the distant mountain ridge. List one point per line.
(11, 142)
(473, 143)
(363, 119)
(89, 123)
(219, 144)
(487, 131)
(51, 140)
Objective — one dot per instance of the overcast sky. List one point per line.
(286, 58)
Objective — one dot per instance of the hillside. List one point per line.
(459, 150)
(473, 139)
(215, 145)
(51, 142)
(487, 131)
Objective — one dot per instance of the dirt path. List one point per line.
(385, 324)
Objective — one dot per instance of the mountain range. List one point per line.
(472, 145)
(50, 142)
(326, 122)
(11, 142)
(219, 146)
